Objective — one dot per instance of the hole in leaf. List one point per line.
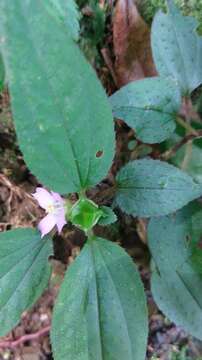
(188, 239)
(99, 154)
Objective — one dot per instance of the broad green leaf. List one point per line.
(24, 273)
(153, 188)
(101, 309)
(66, 11)
(62, 116)
(177, 49)
(2, 73)
(108, 216)
(177, 274)
(149, 106)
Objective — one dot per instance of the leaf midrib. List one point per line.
(159, 273)
(97, 303)
(188, 289)
(179, 48)
(27, 253)
(24, 276)
(51, 88)
(153, 188)
(118, 297)
(144, 108)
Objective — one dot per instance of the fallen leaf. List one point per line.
(31, 353)
(132, 46)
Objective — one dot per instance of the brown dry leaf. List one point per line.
(30, 353)
(17, 207)
(132, 46)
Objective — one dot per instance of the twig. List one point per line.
(108, 62)
(13, 344)
(172, 151)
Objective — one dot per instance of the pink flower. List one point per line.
(54, 206)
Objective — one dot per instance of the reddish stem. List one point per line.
(15, 343)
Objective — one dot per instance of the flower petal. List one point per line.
(47, 224)
(60, 219)
(43, 197)
(57, 197)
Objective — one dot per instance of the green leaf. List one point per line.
(62, 116)
(177, 49)
(85, 214)
(66, 11)
(177, 276)
(149, 106)
(2, 73)
(24, 273)
(153, 188)
(108, 216)
(101, 309)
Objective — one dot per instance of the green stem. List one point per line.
(82, 194)
(90, 234)
(186, 126)
(187, 156)
(189, 130)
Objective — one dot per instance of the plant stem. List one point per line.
(15, 343)
(186, 125)
(172, 151)
(189, 130)
(187, 156)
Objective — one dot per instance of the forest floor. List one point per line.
(110, 56)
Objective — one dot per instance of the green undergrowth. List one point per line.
(148, 9)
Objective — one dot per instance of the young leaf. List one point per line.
(2, 73)
(108, 217)
(177, 277)
(177, 49)
(101, 309)
(153, 188)
(66, 11)
(85, 214)
(62, 116)
(24, 273)
(149, 106)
